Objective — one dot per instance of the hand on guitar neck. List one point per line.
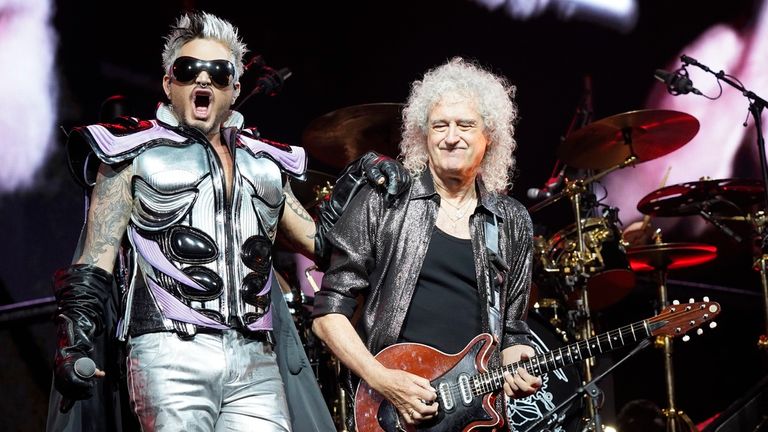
(519, 383)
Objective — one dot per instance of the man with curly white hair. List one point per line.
(446, 261)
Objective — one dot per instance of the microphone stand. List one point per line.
(590, 390)
(756, 107)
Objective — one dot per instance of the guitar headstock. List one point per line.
(678, 318)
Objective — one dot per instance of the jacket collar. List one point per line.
(424, 188)
(165, 114)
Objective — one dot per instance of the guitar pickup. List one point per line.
(446, 396)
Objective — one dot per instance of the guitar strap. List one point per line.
(493, 287)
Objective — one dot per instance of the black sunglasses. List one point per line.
(186, 69)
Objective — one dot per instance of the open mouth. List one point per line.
(202, 101)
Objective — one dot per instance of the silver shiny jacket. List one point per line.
(201, 260)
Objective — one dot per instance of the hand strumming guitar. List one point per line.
(412, 395)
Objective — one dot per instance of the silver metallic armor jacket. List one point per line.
(201, 260)
(379, 250)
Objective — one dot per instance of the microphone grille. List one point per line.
(85, 367)
(663, 76)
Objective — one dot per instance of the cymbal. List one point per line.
(669, 256)
(725, 197)
(314, 188)
(646, 134)
(342, 136)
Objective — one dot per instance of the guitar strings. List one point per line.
(486, 378)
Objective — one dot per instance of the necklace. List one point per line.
(461, 211)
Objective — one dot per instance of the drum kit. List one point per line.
(585, 267)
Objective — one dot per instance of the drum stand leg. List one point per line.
(592, 420)
(762, 342)
(340, 403)
(676, 420)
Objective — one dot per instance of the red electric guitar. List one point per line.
(466, 389)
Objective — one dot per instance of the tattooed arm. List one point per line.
(108, 217)
(297, 228)
(82, 289)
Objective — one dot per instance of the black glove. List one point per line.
(383, 170)
(379, 171)
(81, 292)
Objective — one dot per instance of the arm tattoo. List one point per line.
(299, 228)
(111, 204)
(297, 208)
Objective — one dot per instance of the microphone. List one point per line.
(271, 81)
(677, 82)
(268, 81)
(547, 191)
(85, 369)
(538, 193)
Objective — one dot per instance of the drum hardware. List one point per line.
(719, 201)
(759, 222)
(552, 310)
(722, 199)
(314, 189)
(578, 254)
(338, 403)
(714, 200)
(308, 274)
(339, 137)
(578, 186)
(580, 258)
(756, 107)
(660, 258)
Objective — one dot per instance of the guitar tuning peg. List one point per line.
(706, 299)
(675, 302)
(712, 324)
(699, 332)
(686, 338)
(691, 300)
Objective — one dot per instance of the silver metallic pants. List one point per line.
(213, 382)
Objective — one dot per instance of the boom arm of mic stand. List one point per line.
(722, 227)
(590, 389)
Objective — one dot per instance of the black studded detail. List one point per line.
(212, 314)
(190, 245)
(207, 278)
(253, 284)
(256, 254)
(250, 317)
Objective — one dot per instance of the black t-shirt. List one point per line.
(445, 309)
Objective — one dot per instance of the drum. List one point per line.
(605, 261)
(557, 386)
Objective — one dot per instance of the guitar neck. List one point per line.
(567, 355)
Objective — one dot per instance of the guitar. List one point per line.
(467, 390)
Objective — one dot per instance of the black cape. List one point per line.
(108, 409)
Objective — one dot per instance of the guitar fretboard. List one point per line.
(493, 380)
